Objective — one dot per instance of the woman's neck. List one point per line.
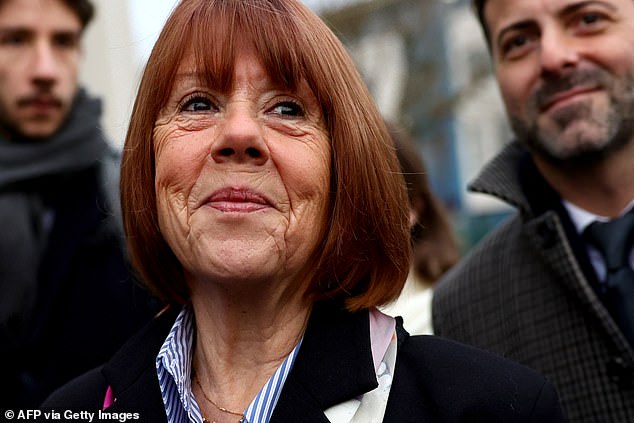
(240, 343)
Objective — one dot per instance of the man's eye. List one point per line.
(590, 18)
(591, 22)
(288, 108)
(515, 42)
(515, 46)
(66, 40)
(197, 104)
(15, 39)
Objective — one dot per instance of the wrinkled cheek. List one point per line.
(305, 228)
(173, 218)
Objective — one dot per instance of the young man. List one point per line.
(66, 297)
(540, 289)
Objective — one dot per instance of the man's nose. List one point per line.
(44, 64)
(558, 52)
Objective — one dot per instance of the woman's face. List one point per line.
(242, 176)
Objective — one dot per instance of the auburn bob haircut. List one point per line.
(364, 252)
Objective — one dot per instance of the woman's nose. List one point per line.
(241, 139)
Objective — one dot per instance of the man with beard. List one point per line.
(541, 288)
(67, 300)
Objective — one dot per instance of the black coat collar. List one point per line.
(131, 373)
(334, 364)
(543, 199)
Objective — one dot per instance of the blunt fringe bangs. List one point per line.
(365, 249)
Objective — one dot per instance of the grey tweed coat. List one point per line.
(526, 292)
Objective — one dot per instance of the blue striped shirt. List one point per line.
(173, 366)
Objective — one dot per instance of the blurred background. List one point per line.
(425, 62)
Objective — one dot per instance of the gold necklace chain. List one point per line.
(224, 410)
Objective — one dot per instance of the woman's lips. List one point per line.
(238, 200)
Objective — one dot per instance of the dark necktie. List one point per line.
(614, 241)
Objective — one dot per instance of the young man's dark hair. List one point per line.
(84, 9)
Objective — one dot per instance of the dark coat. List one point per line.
(526, 292)
(436, 380)
(68, 300)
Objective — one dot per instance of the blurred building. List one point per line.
(109, 65)
(428, 68)
(115, 48)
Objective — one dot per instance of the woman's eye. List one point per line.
(288, 108)
(197, 103)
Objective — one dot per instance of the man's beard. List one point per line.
(613, 129)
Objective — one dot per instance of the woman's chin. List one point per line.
(242, 271)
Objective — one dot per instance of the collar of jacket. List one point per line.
(500, 177)
(333, 365)
(513, 177)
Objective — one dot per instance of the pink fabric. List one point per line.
(382, 329)
(109, 399)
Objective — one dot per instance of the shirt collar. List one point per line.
(173, 366)
(582, 218)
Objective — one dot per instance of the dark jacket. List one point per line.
(67, 298)
(436, 380)
(527, 292)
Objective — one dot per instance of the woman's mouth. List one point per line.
(238, 200)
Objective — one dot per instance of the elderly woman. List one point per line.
(262, 200)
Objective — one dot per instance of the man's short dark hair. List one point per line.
(478, 7)
(84, 9)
